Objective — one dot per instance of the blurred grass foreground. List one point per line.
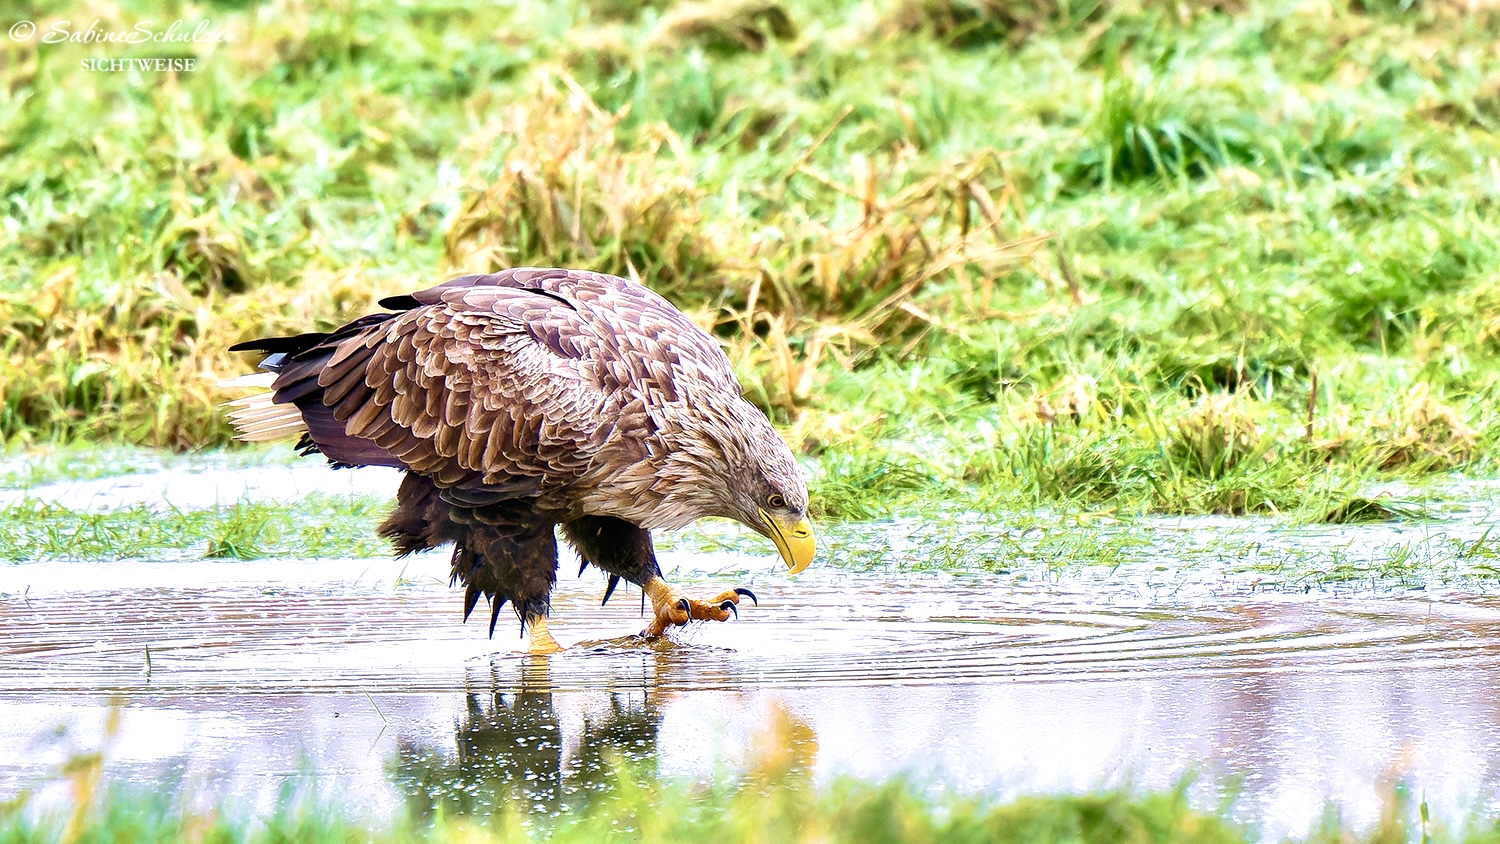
(1230, 256)
(774, 799)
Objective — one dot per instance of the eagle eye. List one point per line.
(775, 500)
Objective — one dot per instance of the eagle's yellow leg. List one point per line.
(541, 641)
(672, 608)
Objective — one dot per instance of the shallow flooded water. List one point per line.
(1288, 668)
(359, 675)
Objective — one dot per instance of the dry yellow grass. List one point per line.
(840, 276)
(1218, 432)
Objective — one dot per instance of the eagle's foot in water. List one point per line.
(672, 608)
(541, 642)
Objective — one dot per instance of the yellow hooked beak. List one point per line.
(795, 542)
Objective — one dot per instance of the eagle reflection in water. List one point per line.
(512, 754)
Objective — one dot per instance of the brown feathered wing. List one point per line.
(499, 386)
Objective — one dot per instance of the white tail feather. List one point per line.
(257, 418)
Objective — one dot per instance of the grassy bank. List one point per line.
(966, 529)
(775, 799)
(317, 526)
(1139, 256)
(650, 812)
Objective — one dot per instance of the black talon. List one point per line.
(682, 604)
(471, 597)
(740, 590)
(729, 605)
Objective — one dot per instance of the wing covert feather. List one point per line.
(470, 389)
(513, 382)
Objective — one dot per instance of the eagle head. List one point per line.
(728, 461)
(765, 490)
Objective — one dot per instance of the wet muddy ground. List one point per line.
(357, 675)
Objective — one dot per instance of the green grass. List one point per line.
(1426, 535)
(644, 810)
(1108, 256)
(774, 799)
(1406, 544)
(317, 526)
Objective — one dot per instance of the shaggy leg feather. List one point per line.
(508, 554)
